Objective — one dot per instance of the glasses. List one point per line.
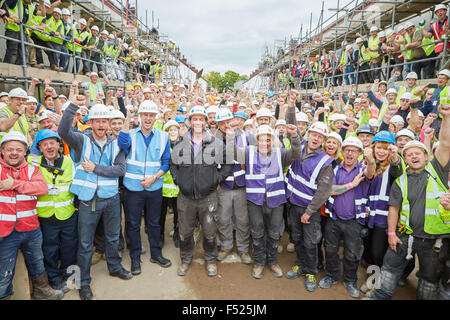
(351, 151)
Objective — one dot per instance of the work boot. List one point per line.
(352, 289)
(310, 282)
(96, 257)
(86, 293)
(280, 248)
(135, 267)
(122, 274)
(211, 269)
(276, 270)
(183, 269)
(257, 272)
(163, 262)
(327, 282)
(245, 258)
(55, 68)
(295, 272)
(61, 286)
(222, 255)
(290, 247)
(43, 291)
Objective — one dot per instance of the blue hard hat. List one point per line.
(270, 94)
(181, 108)
(180, 119)
(46, 134)
(384, 136)
(241, 114)
(86, 118)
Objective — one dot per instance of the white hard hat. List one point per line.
(319, 127)
(263, 112)
(148, 106)
(374, 123)
(14, 136)
(348, 47)
(301, 116)
(264, 129)
(352, 141)
(229, 104)
(197, 110)
(381, 34)
(241, 104)
(18, 93)
(357, 100)
(223, 114)
(400, 27)
(412, 75)
(2, 94)
(420, 115)
(337, 117)
(359, 40)
(445, 72)
(125, 45)
(171, 123)
(95, 28)
(65, 11)
(111, 36)
(146, 90)
(373, 28)
(335, 136)
(397, 119)
(407, 95)
(439, 7)
(32, 99)
(212, 109)
(62, 96)
(105, 32)
(255, 102)
(406, 133)
(280, 122)
(391, 90)
(99, 111)
(93, 74)
(82, 21)
(57, 10)
(43, 115)
(47, 3)
(116, 114)
(248, 122)
(410, 144)
(409, 24)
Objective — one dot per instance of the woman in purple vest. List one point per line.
(388, 169)
(264, 181)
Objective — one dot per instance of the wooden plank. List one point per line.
(21, 282)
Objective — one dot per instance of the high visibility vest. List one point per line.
(144, 161)
(402, 90)
(429, 48)
(383, 111)
(364, 57)
(84, 34)
(17, 211)
(373, 44)
(107, 50)
(55, 26)
(170, 189)
(439, 34)
(444, 96)
(433, 209)
(75, 35)
(343, 57)
(14, 13)
(60, 205)
(37, 21)
(408, 53)
(86, 184)
(21, 125)
(93, 94)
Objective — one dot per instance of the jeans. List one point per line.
(162, 221)
(233, 203)
(350, 231)
(90, 212)
(305, 238)
(53, 57)
(30, 243)
(364, 74)
(64, 57)
(349, 70)
(98, 62)
(205, 210)
(14, 54)
(427, 66)
(85, 54)
(136, 201)
(265, 220)
(60, 243)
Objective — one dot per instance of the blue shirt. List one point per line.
(124, 142)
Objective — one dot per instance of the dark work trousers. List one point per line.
(136, 202)
(305, 238)
(350, 232)
(376, 71)
(426, 65)
(60, 243)
(97, 59)
(13, 54)
(162, 221)
(205, 211)
(265, 220)
(337, 77)
(53, 57)
(320, 254)
(364, 74)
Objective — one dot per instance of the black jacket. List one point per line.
(199, 177)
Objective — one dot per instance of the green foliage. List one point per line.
(225, 81)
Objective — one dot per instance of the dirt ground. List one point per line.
(233, 282)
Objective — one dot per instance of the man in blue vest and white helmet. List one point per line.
(264, 181)
(231, 195)
(198, 166)
(99, 164)
(309, 182)
(417, 221)
(148, 154)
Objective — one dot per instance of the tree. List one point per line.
(225, 82)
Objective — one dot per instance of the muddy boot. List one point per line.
(43, 291)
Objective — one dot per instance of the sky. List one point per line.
(231, 34)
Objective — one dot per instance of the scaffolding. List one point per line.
(111, 15)
(342, 26)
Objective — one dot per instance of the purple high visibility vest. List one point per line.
(264, 180)
(238, 175)
(301, 178)
(360, 200)
(379, 192)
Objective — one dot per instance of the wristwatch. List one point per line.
(18, 113)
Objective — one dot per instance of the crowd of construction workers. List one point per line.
(74, 46)
(364, 172)
(406, 47)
